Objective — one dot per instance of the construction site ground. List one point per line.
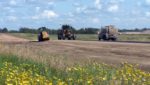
(107, 52)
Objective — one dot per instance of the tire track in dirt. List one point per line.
(108, 52)
(9, 38)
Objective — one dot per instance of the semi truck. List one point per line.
(108, 33)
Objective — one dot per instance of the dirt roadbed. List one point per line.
(108, 52)
(5, 37)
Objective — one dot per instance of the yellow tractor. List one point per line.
(43, 36)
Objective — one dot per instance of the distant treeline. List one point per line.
(134, 30)
(54, 31)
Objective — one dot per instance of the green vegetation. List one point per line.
(90, 37)
(15, 71)
(29, 36)
(34, 67)
(87, 37)
(134, 37)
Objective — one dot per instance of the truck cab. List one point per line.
(108, 33)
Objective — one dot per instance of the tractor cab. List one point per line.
(66, 33)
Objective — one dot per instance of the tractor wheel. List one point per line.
(59, 38)
(99, 39)
(73, 38)
(69, 38)
(113, 39)
(104, 37)
(40, 38)
(64, 38)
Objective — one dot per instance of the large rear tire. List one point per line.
(59, 38)
(99, 38)
(114, 39)
(73, 38)
(40, 38)
(105, 37)
(64, 38)
(69, 38)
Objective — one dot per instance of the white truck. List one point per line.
(108, 33)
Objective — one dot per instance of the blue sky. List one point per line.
(78, 13)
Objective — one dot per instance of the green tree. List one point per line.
(5, 30)
(69, 27)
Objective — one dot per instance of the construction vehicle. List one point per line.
(108, 33)
(43, 36)
(66, 33)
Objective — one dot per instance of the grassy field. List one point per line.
(22, 64)
(90, 37)
(18, 71)
(134, 37)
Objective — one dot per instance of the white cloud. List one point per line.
(113, 5)
(116, 19)
(49, 14)
(76, 4)
(13, 2)
(116, 1)
(70, 20)
(148, 2)
(11, 18)
(37, 9)
(95, 20)
(147, 14)
(98, 4)
(113, 8)
(46, 14)
(36, 17)
(121, 0)
(50, 3)
(81, 9)
(135, 12)
(9, 9)
(85, 9)
(138, 3)
(1, 20)
(70, 14)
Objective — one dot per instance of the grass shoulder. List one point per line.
(16, 71)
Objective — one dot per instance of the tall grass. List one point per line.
(15, 71)
(41, 54)
(134, 37)
(90, 37)
(34, 66)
